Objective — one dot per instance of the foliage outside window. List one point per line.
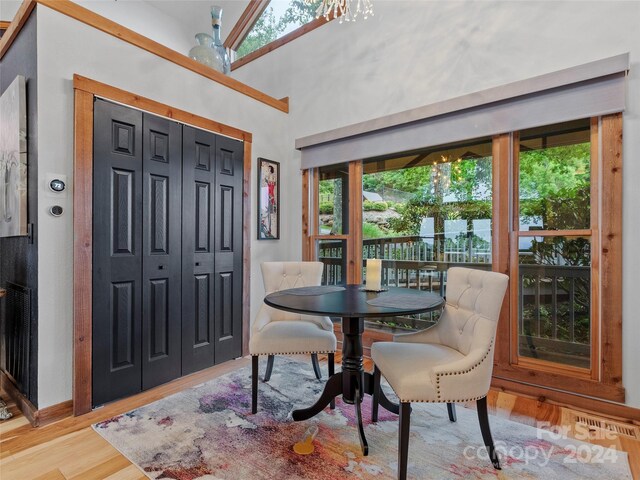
(554, 271)
(425, 211)
(279, 18)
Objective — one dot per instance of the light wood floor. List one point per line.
(70, 449)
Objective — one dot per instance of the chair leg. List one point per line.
(483, 417)
(376, 394)
(267, 374)
(451, 409)
(332, 371)
(316, 365)
(403, 439)
(254, 384)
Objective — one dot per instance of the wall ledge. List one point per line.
(86, 16)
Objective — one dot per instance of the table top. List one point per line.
(351, 301)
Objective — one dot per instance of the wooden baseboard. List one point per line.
(54, 413)
(37, 418)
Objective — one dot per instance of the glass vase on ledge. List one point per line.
(216, 20)
(205, 53)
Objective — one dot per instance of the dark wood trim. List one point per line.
(611, 249)
(354, 270)
(555, 233)
(501, 153)
(54, 413)
(82, 250)
(595, 167)
(289, 37)
(577, 402)
(606, 304)
(306, 250)
(246, 249)
(86, 16)
(138, 101)
(561, 380)
(244, 24)
(24, 405)
(85, 90)
(16, 25)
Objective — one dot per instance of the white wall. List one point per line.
(65, 47)
(142, 17)
(413, 53)
(8, 9)
(169, 22)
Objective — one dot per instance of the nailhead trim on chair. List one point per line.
(461, 372)
(293, 353)
(445, 401)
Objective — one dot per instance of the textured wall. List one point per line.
(413, 53)
(65, 47)
(18, 256)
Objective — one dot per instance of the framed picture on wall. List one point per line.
(268, 199)
(13, 159)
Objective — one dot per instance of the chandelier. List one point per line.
(343, 9)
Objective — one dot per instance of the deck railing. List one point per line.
(548, 294)
(554, 312)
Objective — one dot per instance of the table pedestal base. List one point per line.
(352, 382)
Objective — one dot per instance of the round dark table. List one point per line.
(351, 304)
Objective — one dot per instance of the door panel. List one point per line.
(228, 248)
(162, 253)
(167, 250)
(198, 183)
(117, 252)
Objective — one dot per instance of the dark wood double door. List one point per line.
(167, 250)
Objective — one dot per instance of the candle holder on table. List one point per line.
(374, 276)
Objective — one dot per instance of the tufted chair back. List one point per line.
(473, 303)
(281, 276)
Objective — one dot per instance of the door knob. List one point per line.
(197, 264)
(162, 267)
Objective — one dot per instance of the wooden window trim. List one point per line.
(289, 37)
(81, 14)
(85, 91)
(603, 379)
(602, 384)
(245, 23)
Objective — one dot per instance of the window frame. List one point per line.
(245, 24)
(604, 379)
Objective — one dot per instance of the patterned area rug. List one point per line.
(208, 433)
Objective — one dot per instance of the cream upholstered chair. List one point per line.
(276, 332)
(449, 362)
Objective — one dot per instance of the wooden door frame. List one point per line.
(85, 91)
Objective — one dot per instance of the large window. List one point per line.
(553, 271)
(425, 212)
(542, 205)
(331, 228)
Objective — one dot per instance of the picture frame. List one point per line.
(268, 199)
(13, 159)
